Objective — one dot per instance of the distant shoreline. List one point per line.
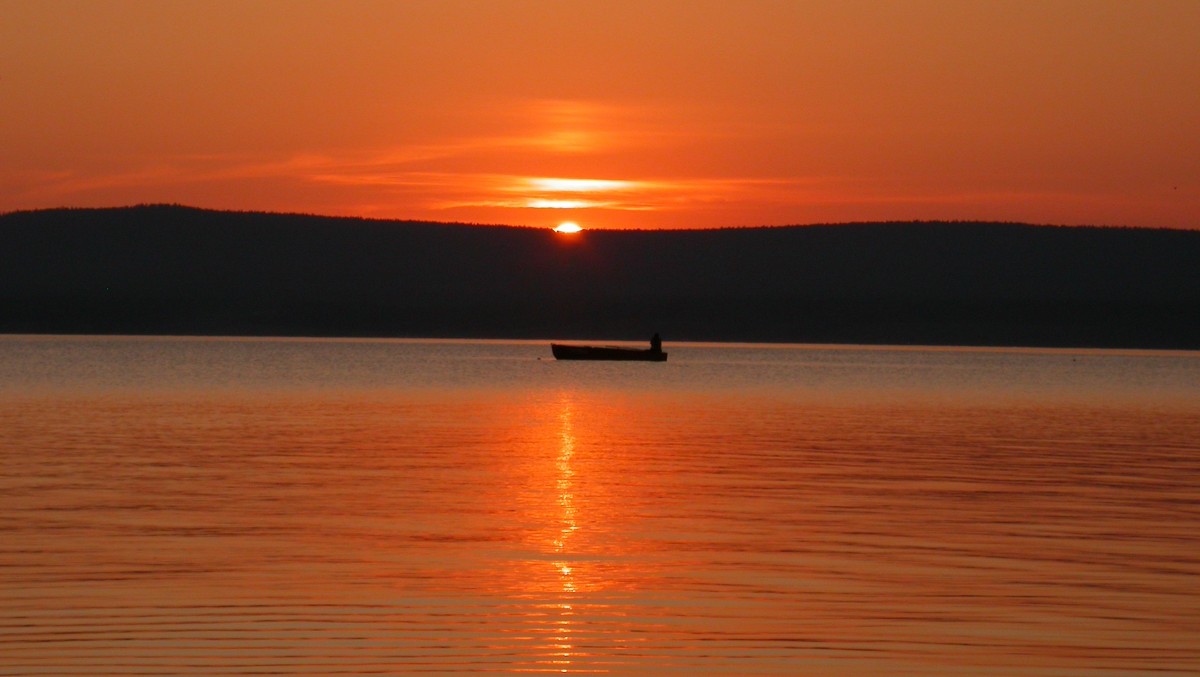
(982, 347)
(164, 270)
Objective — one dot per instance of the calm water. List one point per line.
(343, 507)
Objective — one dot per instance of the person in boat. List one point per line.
(656, 343)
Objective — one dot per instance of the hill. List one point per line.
(178, 270)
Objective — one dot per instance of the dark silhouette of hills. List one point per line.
(178, 270)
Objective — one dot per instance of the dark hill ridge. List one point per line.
(165, 269)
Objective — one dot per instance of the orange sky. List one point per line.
(612, 114)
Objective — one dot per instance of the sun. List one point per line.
(567, 227)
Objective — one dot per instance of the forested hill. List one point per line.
(177, 270)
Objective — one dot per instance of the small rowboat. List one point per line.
(568, 352)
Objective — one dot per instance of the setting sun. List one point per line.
(567, 227)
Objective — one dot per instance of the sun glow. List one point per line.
(577, 185)
(557, 193)
(538, 203)
(567, 227)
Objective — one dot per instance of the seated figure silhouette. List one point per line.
(656, 343)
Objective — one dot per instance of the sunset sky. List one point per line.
(645, 113)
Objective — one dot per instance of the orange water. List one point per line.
(171, 506)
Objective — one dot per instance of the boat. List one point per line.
(564, 351)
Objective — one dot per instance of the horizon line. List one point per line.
(222, 210)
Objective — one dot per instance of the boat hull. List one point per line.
(569, 352)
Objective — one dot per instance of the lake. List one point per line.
(289, 506)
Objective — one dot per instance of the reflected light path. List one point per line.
(565, 485)
(564, 612)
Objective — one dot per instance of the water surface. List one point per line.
(253, 506)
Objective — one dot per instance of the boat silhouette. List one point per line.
(563, 351)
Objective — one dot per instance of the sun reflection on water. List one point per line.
(565, 486)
